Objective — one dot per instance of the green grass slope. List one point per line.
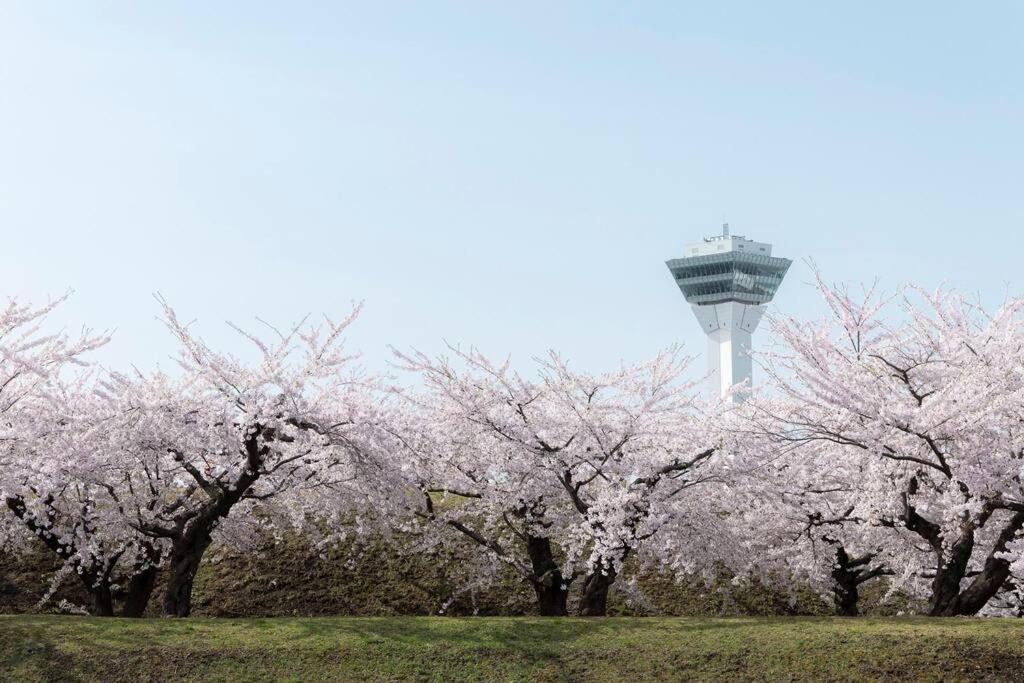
(53, 648)
(288, 579)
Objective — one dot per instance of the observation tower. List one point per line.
(727, 280)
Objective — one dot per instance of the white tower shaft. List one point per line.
(729, 327)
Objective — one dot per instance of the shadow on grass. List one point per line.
(503, 632)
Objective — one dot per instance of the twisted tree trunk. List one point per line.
(594, 598)
(102, 601)
(186, 556)
(548, 583)
(193, 533)
(137, 593)
(847, 576)
(948, 599)
(845, 593)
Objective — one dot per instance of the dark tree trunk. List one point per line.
(551, 588)
(844, 588)
(194, 534)
(947, 598)
(136, 596)
(982, 589)
(186, 554)
(944, 601)
(102, 600)
(594, 598)
(552, 599)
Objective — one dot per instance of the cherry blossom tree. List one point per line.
(797, 514)
(561, 478)
(61, 487)
(30, 356)
(919, 397)
(230, 442)
(40, 443)
(887, 442)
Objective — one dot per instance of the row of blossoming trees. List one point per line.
(886, 444)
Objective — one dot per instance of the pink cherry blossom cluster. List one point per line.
(885, 445)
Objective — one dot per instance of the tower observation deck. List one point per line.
(727, 280)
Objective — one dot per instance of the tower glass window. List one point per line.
(727, 285)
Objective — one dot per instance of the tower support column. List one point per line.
(729, 327)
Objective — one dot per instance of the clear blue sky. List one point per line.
(507, 175)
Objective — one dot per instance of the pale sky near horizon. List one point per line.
(511, 176)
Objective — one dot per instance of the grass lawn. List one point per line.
(509, 649)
